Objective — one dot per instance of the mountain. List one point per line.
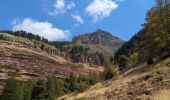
(105, 40)
(95, 47)
(100, 46)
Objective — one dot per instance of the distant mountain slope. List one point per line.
(95, 48)
(27, 59)
(108, 43)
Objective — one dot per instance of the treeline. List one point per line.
(25, 34)
(152, 43)
(31, 36)
(52, 87)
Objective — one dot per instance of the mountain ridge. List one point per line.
(102, 38)
(93, 53)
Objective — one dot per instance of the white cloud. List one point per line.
(78, 18)
(44, 29)
(100, 9)
(61, 6)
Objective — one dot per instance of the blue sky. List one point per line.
(63, 19)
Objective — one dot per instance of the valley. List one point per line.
(92, 65)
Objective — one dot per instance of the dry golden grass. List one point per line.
(135, 86)
(163, 95)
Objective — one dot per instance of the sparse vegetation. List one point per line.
(109, 72)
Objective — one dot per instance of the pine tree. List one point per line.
(51, 88)
(39, 91)
(59, 85)
(28, 88)
(13, 90)
(72, 82)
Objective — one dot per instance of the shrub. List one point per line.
(109, 73)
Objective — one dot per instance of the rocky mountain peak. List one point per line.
(100, 40)
(98, 37)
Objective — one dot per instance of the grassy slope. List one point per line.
(150, 82)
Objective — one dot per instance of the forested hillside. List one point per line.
(151, 43)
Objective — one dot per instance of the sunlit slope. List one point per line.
(24, 58)
(148, 82)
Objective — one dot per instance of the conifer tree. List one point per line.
(28, 88)
(51, 88)
(39, 91)
(13, 90)
(72, 82)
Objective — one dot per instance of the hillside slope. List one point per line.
(146, 83)
(94, 48)
(151, 43)
(24, 58)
